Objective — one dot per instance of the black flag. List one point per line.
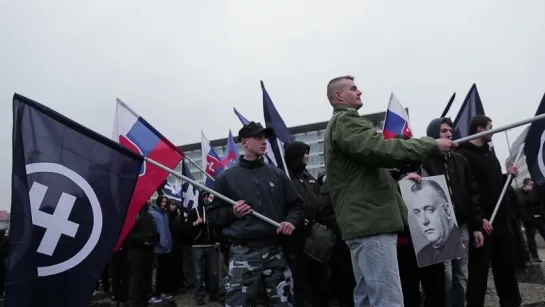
(533, 149)
(472, 106)
(71, 188)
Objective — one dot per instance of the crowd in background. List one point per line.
(343, 237)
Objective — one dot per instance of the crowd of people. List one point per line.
(343, 238)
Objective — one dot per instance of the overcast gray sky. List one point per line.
(183, 65)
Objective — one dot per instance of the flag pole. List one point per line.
(216, 194)
(447, 108)
(500, 129)
(199, 168)
(280, 149)
(505, 187)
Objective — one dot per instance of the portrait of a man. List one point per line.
(434, 231)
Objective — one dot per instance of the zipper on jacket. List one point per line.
(447, 177)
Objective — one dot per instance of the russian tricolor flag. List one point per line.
(210, 161)
(396, 121)
(135, 133)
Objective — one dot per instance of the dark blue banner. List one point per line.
(71, 188)
(472, 106)
(274, 121)
(533, 149)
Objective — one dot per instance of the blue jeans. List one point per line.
(456, 275)
(374, 261)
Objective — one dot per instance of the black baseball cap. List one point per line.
(253, 129)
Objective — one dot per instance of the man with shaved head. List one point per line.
(368, 207)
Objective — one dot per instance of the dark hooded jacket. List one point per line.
(306, 185)
(488, 176)
(459, 176)
(144, 234)
(268, 190)
(326, 213)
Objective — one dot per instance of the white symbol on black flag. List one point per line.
(190, 194)
(71, 189)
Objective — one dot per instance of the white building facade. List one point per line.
(311, 134)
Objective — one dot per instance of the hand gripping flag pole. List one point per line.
(505, 187)
(500, 129)
(216, 194)
(496, 130)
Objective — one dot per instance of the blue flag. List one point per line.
(71, 189)
(270, 154)
(472, 106)
(533, 149)
(274, 121)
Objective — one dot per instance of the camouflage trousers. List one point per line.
(250, 268)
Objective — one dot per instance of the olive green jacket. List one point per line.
(357, 158)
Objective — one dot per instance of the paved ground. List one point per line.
(531, 284)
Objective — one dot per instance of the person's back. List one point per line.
(368, 207)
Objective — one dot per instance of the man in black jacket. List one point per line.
(139, 248)
(308, 274)
(255, 253)
(463, 195)
(204, 250)
(499, 245)
(533, 215)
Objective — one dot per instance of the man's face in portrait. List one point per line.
(430, 209)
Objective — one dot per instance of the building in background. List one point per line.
(4, 219)
(521, 163)
(312, 134)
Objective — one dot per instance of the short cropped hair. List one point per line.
(526, 181)
(332, 85)
(430, 184)
(478, 121)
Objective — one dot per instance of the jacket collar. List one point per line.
(251, 164)
(341, 107)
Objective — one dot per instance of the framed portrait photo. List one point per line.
(434, 231)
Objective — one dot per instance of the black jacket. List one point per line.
(530, 204)
(303, 182)
(459, 177)
(268, 190)
(144, 234)
(202, 234)
(488, 177)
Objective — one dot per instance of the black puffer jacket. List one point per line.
(459, 175)
(306, 185)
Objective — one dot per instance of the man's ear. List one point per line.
(448, 212)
